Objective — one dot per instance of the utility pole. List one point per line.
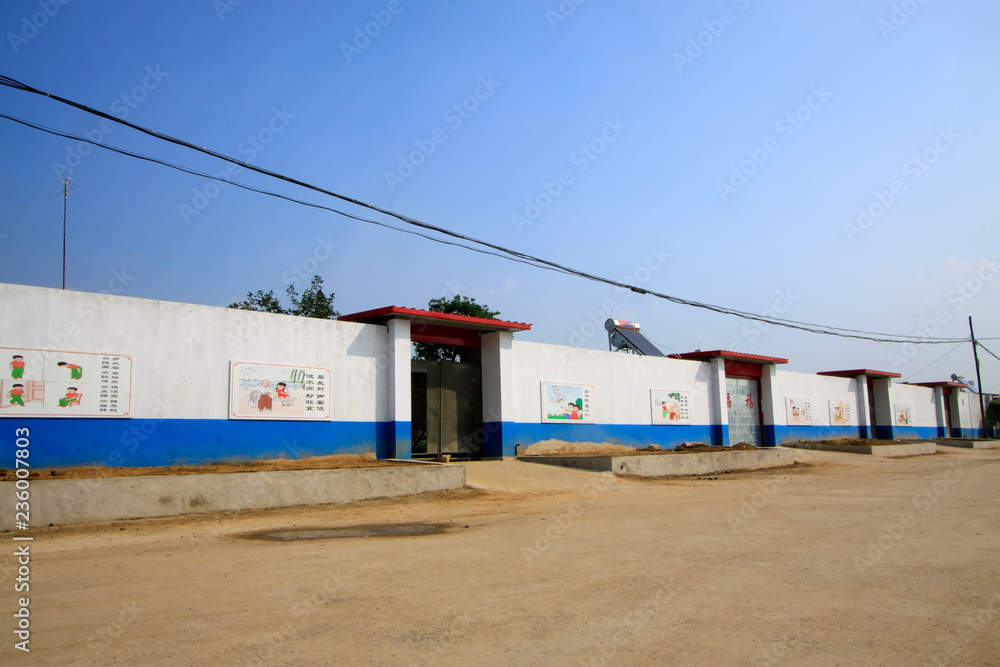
(979, 380)
(66, 180)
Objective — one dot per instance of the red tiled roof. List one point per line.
(861, 371)
(445, 319)
(735, 356)
(940, 383)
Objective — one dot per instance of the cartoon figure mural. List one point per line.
(263, 396)
(904, 414)
(671, 407)
(840, 413)
(17, 367)
(302, 392)
(75, 372)
(562, 403)
(72, 397)
(43, 384)
(798, 411)
(16, 395)
(282, 390)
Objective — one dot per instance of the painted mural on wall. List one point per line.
(567, 403)
(274, 391)
(49, 383)
(670, 407)
(798, 411)
(903, 414)
(840, 413)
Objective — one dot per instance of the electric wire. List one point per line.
(935, 361)
(244, 186)
(987, 350)
(503, 251)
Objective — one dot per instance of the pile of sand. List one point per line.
(553, 447)
(563, 448)
(857, 442)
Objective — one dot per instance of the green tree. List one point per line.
(457, 305)
(993, 413)
(312, 303)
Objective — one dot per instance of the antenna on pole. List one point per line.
(67, 177)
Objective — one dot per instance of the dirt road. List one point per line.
(842, 560)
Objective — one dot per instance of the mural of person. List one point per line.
(263, 396)
(573, 409)
(282, 390)
(75, 372)
(72, 397)
(16, 395)
(17, 367)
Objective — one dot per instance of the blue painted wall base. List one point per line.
(401, 440)
(782, 434)
(59, 443)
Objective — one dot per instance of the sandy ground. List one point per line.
(841, 560)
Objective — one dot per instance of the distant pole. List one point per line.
(979, 380)
(66, 180)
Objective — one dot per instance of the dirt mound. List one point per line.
(561, 447)
(367, 460)
(742, 447)
(855, 442)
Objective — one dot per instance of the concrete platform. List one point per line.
(885, 451)
(67, 501)
(665, 465)
(969, 443)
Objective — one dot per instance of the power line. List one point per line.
(987, 349)
(251, 188)
(504, 252)
(936, 360)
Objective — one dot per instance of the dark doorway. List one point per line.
(446, 409)
(873, 433)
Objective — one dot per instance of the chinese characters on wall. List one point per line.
(670, 407)
(273, 391)
(798, 411)
(567, 403)
(48, 383)
(840, 413)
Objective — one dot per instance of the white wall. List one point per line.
(920, 399)
(621, 381)
(182, 351)
(820, 389)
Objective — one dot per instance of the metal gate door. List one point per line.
(446, 408)
(744, 412)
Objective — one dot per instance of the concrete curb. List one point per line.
(674, 464)
(66, 501)
(885, 451)
(969, 443)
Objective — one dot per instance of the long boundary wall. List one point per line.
(180, 379)
(181, 356)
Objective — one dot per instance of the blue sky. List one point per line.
(718, 151)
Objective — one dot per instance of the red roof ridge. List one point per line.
(861, 371)
(729, 354)
(388, 312)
